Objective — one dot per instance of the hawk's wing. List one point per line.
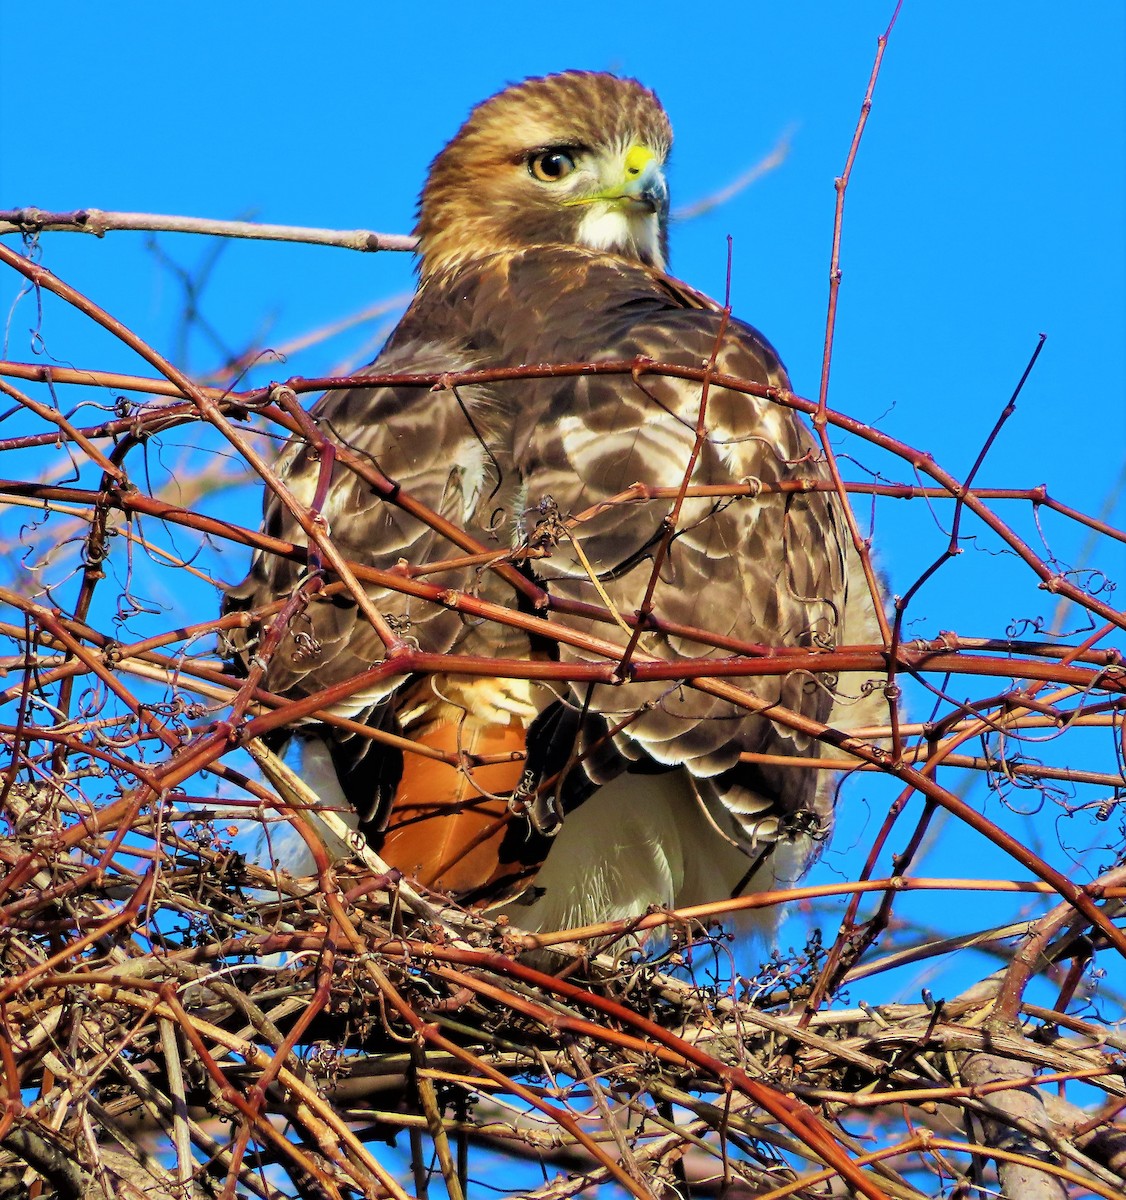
(494, 460)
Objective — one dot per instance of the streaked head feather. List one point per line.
(480, 196)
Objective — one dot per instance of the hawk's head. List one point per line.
(575, 158)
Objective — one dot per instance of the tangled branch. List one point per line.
(179, 1016)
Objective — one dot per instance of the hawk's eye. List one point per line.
(549, 166)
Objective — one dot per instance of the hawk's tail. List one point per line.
(446, 824)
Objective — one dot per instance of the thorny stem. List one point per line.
(1051, 580)
(123, 895)
(214, 415)
(672, 519)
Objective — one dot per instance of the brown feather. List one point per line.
(502, 287)
(474, 203)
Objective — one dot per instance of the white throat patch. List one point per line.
(609, 226)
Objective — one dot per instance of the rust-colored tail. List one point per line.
(447, 823)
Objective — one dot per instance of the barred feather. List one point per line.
(656, 804)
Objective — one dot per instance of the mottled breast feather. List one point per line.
(541, 227)
(494, 459)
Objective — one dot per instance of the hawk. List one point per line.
(542, 239)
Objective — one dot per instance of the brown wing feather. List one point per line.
(768, 569)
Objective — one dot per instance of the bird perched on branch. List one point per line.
(542, 237)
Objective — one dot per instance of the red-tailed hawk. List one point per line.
(542, 239)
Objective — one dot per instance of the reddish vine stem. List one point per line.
(1051, 581)
(841, 185)
(215, 416)
(99, 222)
(672, 518)
(131, 801)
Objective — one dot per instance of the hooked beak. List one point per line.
(641, 186)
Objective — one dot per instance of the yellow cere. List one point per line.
(638, 158)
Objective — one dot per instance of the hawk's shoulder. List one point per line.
(560, 304)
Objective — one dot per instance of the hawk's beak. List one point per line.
(643, 183)
(640, 186)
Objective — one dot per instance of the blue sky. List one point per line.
(987, 204)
